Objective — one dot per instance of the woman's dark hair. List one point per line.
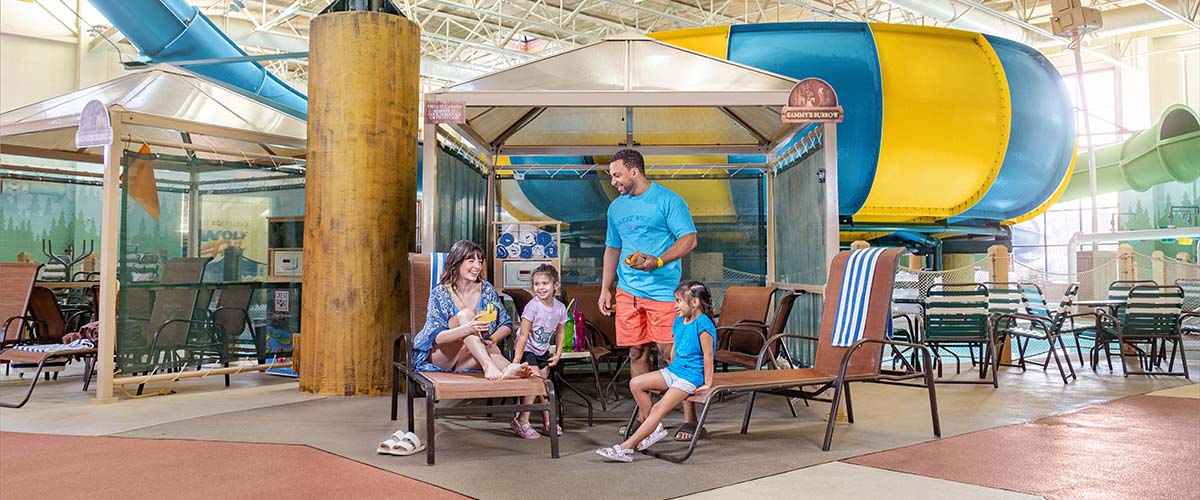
(547, 269)
(696, 290)
(462, 250)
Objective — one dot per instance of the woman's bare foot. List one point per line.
(517, 371)
(490, 372)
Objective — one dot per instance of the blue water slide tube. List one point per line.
(172, 30)
(842, 54)
(1041, 114)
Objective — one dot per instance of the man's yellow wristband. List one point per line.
(660, 262)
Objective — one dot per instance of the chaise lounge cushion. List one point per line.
(473, 385)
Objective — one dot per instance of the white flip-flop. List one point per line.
(401, 444)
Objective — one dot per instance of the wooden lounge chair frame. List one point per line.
(436, 386)
(853, 363)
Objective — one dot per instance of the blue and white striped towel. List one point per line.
(854, 297)
(436, 262)
(78, 344)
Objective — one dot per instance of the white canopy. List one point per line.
(165, 107)
(625, 91)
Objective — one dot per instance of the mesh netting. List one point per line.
(1093, 283)
(915, 283)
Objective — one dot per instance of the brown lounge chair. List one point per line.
(435, 387)
(47, 350)
(835, 366)
(17, 279)
(742, 326)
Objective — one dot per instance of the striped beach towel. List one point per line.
(78, 344)
(854, 297)
(436, 262)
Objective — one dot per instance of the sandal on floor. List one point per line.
(523, 430)
(654, 437)
(636, 423)
(616, 454)
(546, 429)
(690, 428)
(401, 444)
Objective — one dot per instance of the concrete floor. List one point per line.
(475, 455)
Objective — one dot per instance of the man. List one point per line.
(655, 223)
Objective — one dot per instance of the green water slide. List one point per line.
(1168, 151)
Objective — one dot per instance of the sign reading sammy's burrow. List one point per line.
(812, 100)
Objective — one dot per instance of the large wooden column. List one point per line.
(360, 200)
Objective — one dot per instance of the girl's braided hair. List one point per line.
(697, 290)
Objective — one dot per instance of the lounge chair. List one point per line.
(742, 328)
(159, 342)
(857, 314)
(18, 279)
(957, 316)
(1191, 305)
(1153, 314)
(1031, 320)
(232, 313)
(46, 354)
(602, 337)
(436, 386)
(215, 337)
(1102, 337)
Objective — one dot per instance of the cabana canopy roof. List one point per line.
(625, 91)
(161, 106)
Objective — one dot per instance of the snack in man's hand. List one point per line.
(633, 258)
(487, 315)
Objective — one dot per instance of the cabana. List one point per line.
(199, 138)
(632, 91)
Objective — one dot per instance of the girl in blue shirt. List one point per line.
(691, 370)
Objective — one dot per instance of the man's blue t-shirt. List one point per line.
(688, 363)
(649, 223)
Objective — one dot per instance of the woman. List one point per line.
(453, 340)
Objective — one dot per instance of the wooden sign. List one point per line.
(812, 100)
(445, 112)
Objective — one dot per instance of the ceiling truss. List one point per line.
(462, 39)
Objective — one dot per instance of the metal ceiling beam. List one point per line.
(1171, 12)
(1062, 41)
(111, 34)
(283, 17)
(526, 22)
(479, 46)
(656, 13)
(806, 5)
